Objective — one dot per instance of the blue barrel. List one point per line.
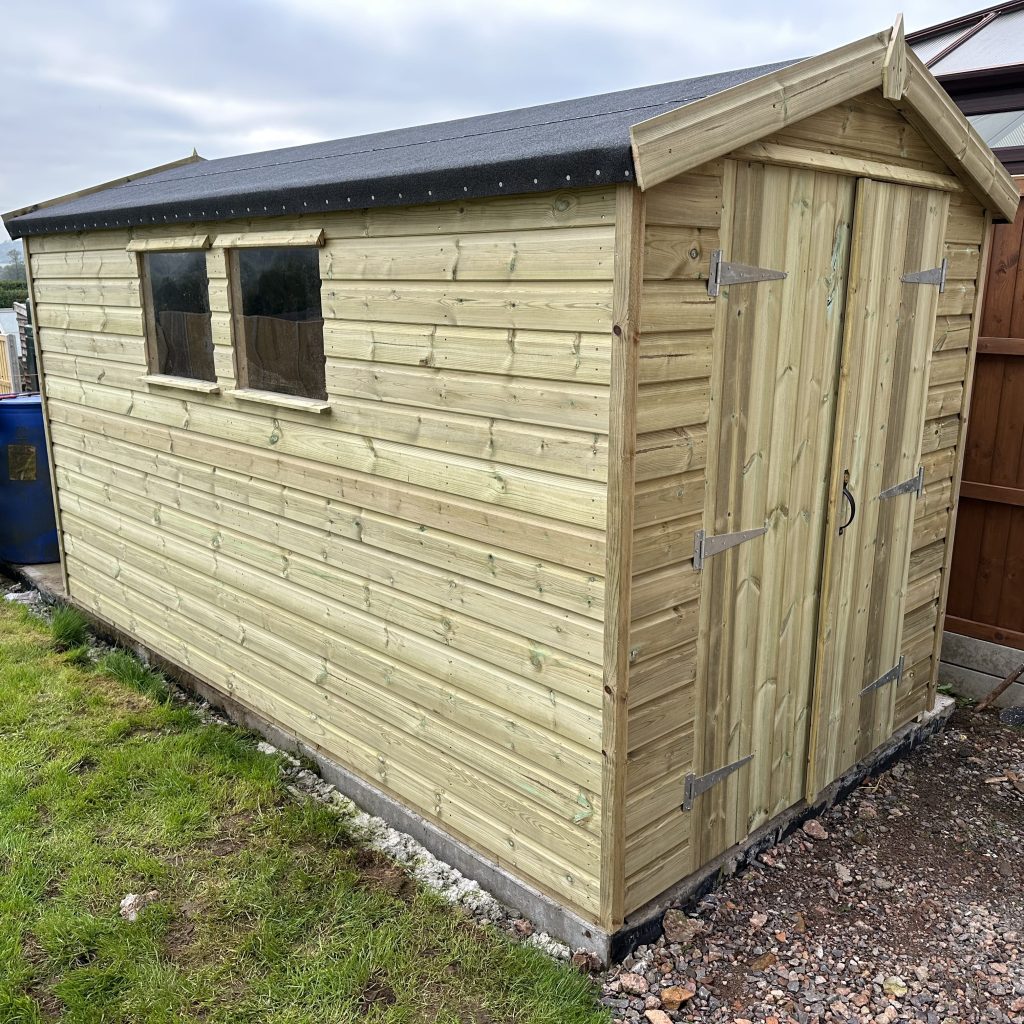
(28, 533)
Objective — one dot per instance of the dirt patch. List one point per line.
(907, 904)
(376, 993)
(40, 991)
(384, 873)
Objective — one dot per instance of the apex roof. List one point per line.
(573, 142)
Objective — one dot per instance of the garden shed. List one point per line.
(576, 479)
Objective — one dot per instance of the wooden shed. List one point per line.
(578, 479)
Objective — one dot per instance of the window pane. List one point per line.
(180, 296)
(284, 327)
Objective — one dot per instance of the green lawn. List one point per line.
(266, 911)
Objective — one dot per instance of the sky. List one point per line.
(94, 91)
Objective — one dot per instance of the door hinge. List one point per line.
(915, 484)
(937, 275)
(722, 272)
(695, 785)
(893, 675)
(704, 546)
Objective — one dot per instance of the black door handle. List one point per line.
(848, 495)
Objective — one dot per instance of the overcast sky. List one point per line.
(93, 91)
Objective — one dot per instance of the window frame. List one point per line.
(142, 248)
(230, 243)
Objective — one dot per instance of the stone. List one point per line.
(634, 984)
(893, 986)
(658, 1017)
(133, 903)
(674, 996)
(680, 928)
(815, 830)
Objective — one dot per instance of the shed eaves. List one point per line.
(534, 149)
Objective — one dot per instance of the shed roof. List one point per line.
(646, 135)
(581, 142)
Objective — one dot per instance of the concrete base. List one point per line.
(642, 926)
(973, 668)
(45, 577)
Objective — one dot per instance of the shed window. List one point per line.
(179, 304)
(282, 322)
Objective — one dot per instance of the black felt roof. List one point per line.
(573, 142)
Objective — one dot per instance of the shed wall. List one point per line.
(412, 582)
(677, 319)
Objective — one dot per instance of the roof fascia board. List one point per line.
(192, 158)
(681, 139)
(929, 108)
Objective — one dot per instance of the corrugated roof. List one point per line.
(996, 44)
(1000, 130)
(575, 142)
(989, 38)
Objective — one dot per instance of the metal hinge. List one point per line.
(695, 785)
(723, 272)
(894, 674)
(937, 275)
(704, 546)
(915, 484)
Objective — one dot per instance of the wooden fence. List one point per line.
(986, 589)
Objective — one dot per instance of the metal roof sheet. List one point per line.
(574, 142)
(1000, 130)
(996, 44)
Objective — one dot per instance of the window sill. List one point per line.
(205, 387)
(282, 401)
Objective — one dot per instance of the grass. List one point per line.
(68, 628)
(266, 910)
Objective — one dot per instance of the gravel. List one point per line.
(904, 903)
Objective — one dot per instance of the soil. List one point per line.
(910, 908)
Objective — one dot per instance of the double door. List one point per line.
(815, 435)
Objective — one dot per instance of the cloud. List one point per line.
(95, 91)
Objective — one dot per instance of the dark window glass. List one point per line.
(283, 324)
(180, 296)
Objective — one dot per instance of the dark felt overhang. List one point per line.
(557, 145)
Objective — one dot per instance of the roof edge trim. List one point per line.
(929, 108)
(192, 158)
(681, 139)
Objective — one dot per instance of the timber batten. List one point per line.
(468, 573)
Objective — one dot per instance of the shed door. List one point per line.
(887, 346)
(772, 418)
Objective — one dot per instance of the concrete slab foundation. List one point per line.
(642, 926)
(973, 668)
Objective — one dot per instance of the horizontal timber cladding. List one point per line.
(414, 581)
(948, 388)
(673, 392)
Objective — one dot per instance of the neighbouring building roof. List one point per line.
(575, 142)
(979, 59)
(8, 322)
(987, 39)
